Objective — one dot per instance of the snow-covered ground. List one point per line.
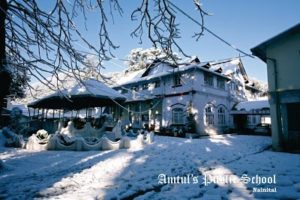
(150, 172)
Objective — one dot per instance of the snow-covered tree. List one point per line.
(260, 85)
(91, 67)
(139, 58)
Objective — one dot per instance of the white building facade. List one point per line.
(194, 97)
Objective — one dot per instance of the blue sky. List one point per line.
(243, 23)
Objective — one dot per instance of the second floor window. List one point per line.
(221, 83)
(208, 79)
(177, 79)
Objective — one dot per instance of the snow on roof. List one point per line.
(92, 87)
(159, 68)
(60, 82)
(41, 90)
(95, 92)
(252, 105)
(228, 67)
(129, 76)
(89, 87)
(229, 70)
(163, 69)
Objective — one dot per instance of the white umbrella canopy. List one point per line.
(86, 94)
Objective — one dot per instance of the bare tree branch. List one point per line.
(158, 19)
(42, 42)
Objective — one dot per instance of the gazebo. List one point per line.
(84, 95)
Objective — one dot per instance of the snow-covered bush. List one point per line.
(42, 134)
(12, 139)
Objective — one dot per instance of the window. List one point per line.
(248, 119)
(221, 83)
(177, 79)
(254, 119)
(145, 118)
(265, 110)
(293, 112)
(124, 91)
(135, 88)
(145, 86)
(209, 115)
(156, 84)
(177, 116)
(221, 116)
(265, 120)
(208, 79)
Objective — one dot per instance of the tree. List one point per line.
(260, 85)
(42, 41)
(139, 58)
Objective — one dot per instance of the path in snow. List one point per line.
(133, 173)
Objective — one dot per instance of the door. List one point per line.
(293, 113)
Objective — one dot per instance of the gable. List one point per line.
(158, 68)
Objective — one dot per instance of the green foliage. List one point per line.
(191, 123)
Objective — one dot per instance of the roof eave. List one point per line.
(260, 50)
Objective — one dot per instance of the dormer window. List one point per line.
(124, 91)
(145, 86)
(135, 88)
(157, 84)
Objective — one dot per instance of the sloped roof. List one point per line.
(157, 67)
(160, 69)
(260, 50)
(252, 105)
(89, 93)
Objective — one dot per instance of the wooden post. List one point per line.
(28, 112)
(140, 115)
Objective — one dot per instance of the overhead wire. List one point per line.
(210, 31)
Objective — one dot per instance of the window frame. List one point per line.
(221, 116)
(156, 84)
(221, 86)
(208, 79)
(209, 116)
(178, 116)
(177, 80)
(145, 86)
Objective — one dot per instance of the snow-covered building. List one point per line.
(249, 115)
(193, 95)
